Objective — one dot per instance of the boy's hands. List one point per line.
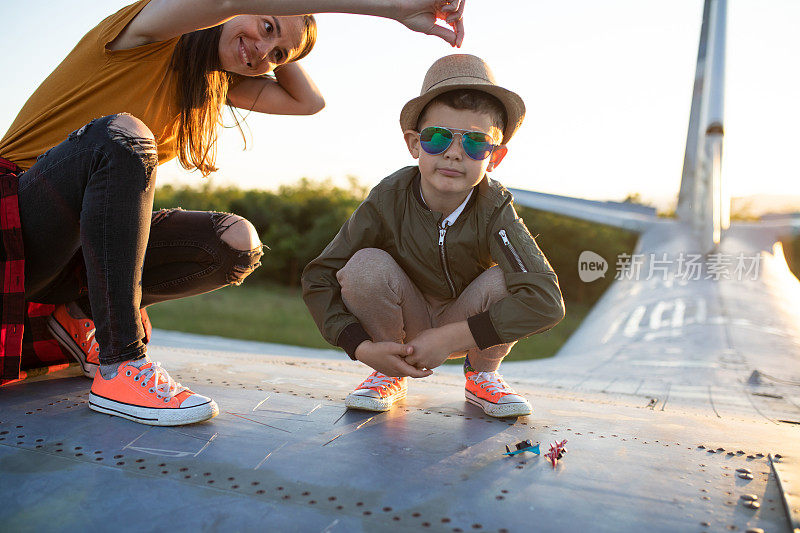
(388, 358)
(433, 346)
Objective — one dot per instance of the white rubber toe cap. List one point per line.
(194, 400)
(512, 398)
(368, 393)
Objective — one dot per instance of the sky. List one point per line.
(607, 86)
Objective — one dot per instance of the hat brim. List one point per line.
(515, 107)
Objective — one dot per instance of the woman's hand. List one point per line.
(422, 15)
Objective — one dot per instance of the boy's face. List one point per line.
(453, 172)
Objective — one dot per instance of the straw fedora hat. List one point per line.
(463, 71)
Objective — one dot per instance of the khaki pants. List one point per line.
(391, 308)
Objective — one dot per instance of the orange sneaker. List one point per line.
(377, 393)
(142, 391)
(491, 393)
(76, 336)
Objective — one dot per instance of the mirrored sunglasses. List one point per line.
(436, 139)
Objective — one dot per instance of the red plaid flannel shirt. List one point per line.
(38, 350)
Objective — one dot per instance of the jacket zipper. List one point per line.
(511, 252)
(443, 258)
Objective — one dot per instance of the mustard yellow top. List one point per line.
(92, 82)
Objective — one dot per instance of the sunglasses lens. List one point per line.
(435, 140)
(477, 145)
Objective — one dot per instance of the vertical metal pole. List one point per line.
(703, 200)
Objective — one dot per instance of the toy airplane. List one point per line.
(556, 452)
(522, 446)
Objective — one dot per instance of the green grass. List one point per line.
(251, 311)
(278, 314)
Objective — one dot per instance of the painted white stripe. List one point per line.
(612, 329)
(655, 315)
(678, 313)
(632, 326)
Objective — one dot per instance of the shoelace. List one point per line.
(491, 381)
(167, 389)
(89, 336)
(376, 379)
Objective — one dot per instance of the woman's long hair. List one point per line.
(202, 91)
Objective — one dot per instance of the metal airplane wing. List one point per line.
(633, 217)
(679, 397)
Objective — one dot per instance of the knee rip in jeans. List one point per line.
(138, 140)
(245, 261)
(244, 264)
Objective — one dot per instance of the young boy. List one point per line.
(435, 263)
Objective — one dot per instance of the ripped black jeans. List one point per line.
(88, 226)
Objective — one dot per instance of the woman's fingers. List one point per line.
(422, 16)
(458, 27)
(451, 6)
(444, 33)
(456, 10)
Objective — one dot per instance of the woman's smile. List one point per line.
(243, 53)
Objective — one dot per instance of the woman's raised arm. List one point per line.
(292, 92)
(164, 19)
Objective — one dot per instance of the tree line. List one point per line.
(297, 221)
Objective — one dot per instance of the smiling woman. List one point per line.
(157, 73)
(213, 65)
(253, 45)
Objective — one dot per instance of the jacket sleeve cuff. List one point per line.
(483, 331)
(350, 337)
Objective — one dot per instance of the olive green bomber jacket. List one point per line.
(394, 218)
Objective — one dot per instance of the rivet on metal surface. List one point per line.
(746, 476)
(744, 471)
(751, 505)
(754, 530)
(748, 497)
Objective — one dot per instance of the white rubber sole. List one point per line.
(366, 403)
(66, 342)
(152, 416)
(499, 410)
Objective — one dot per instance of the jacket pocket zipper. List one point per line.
(443, 258)
(511, 252)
